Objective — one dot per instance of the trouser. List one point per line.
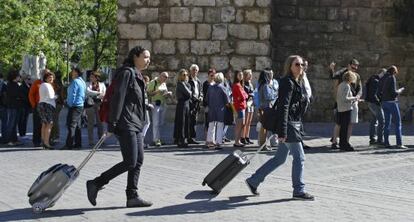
(376, 126)
(132, 150)
(92, 114)
(280, 158)
(215, 132)
(13, 115)
(55, 132)
(158, 114)
(22, 124)
(344, 119)
(193, 119)
(391, 110)
(147, 124)
(73, 122)
(181, 124)
(3, 119)
(37, 127)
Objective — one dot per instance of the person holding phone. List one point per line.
(389, 101)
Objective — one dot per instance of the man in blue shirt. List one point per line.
(75, 100)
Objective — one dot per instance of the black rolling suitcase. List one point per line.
(229, 168)
(52, 183)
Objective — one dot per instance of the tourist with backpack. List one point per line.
(126, 97)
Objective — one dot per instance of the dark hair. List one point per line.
(77, 69)
(97, 75)
(392, 70)
(136, 51)
(264, 77)
(353, 62)
(12, 75)
(235, 79)
(46, 75)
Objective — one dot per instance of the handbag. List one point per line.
(88, 102)
(269, 118)
(294, 131)
(228, 116)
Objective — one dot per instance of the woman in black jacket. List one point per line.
(290, 106)
(126, 120)
(182, 111)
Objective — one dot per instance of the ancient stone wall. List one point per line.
(339, 30)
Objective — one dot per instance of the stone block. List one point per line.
(183, 46)
(244, 3)
(203, 31)
(263, 63)
(212, 15)
(205, 47)
(220, 62)
(240, 16)
(130, 31)
(123, 48)
(173, 63)
(197, 14)
(142, 15)
(325, 26)
(178, 31)
(146, 44)
(179, 14)
(286, 11)
(173, 2)
(227, 47)
(240, 63)
(164, 15)
(312, 13)
(164, 47)
(121, 16)
(263, 3)
(129, 3)
(264, 32)
(203, 63)
(219, 32)
(337, 13)
(154, 31)
(187, 61)
(330, 2)
(258, 15)
(223, 3)
(199, 2)
(243, 31)
(228, 14)
(153, 3)
(252, 48)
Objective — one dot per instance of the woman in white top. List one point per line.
(96, 90)
(46, 107)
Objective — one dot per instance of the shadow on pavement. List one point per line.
(27, 214)
(205, 206)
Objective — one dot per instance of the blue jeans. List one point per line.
(13, 115)
(158, 114)
(391, 110)
(3, 119)
(280, 157)
(376, 125)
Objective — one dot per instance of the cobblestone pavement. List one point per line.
(370, 184)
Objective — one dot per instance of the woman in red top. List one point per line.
(239, 101)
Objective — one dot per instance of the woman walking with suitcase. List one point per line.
(126, 121)
(289, 127)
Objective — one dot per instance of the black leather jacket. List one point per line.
(290, 104)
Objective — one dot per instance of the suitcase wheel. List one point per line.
(38, 208)
(204, 183)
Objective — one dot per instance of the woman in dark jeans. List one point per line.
(289, 109)
(126, 120)
(182, 112)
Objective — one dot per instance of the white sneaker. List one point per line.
(402, 147)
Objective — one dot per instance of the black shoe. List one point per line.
(243, 141)
(46, 147)
(226, 140)
(92, 190)
(372, 142)
(252, 189)
(347, 148)
(183, 145)
(303, 196)
(138, 202)
(306, 147)
(238, 145)
(192, 141)
(248, 140)
(334, 146)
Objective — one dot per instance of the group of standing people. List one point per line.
(381, 94)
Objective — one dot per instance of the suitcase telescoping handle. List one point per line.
(261, 147)
(96, 147)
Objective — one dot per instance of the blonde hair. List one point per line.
(219, 77)
(288, 63)
(180, 75)
(247, 72)
(349, 76)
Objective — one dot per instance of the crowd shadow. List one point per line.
(207, 204)
(24, 214)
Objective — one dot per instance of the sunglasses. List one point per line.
(300, 64)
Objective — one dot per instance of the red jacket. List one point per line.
(34, 96)
(239, 97)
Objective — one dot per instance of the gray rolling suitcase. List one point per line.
(229, 168)
(50, 185)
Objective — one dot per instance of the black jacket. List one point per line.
(371, 88)
(127, 108)
(14, 95)
(196, 99)
(183, 91)
(388, 87)
(290, 104)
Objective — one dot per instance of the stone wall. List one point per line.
(210, 33)
(262, 33)
(338, 30)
